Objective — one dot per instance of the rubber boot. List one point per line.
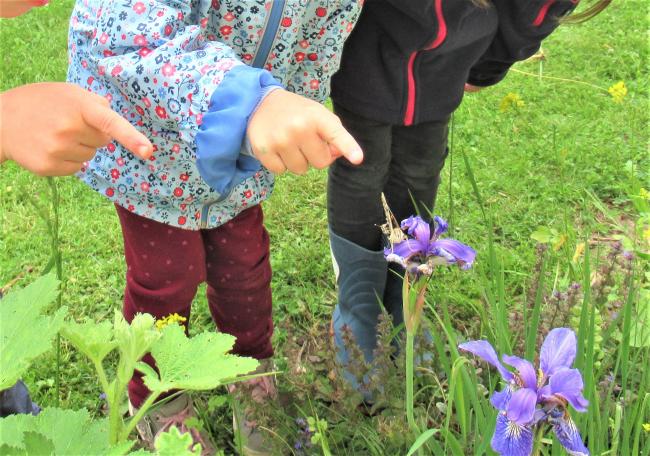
(361, 279)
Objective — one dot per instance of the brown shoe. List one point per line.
(261, 389)
(172, 413)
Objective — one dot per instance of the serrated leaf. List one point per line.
(20, 320)
(95, 340)
(37, 444)
(173, 443)
(70, 431)
(121, 448)
(133, 341)
(6, 450)
(200, 363)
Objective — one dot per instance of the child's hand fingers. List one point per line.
(269, 159)
(332, 131)
(112, 124)
(55, 168)
(316, 151)
(294, 160)
(78, 154)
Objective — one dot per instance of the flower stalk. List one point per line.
(419, 251)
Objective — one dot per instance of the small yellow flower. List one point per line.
(643, 193)
(618, 92)
(646, 427)
(580, 249)
(170, 319)
(511, 101)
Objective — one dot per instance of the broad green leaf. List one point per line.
(173, 443)
(133, 341)
(200, 363)
(24, 332)
(37, 444)
(640, 333)
(71, 432)
(542, 235)
(95, 340)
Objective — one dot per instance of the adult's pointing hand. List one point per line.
(52, 128)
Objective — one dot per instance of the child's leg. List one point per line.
(165, 265)
(355, 213)
(418, 156)
(239, 282)
(354, 207)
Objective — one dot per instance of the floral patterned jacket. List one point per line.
(188, 74)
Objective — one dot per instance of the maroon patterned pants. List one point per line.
(165, 265)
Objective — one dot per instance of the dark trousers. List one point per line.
(165, 265)
(403, 162)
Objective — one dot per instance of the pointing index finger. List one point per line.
(341, 142)
(117, 127)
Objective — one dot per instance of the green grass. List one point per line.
(533, 166)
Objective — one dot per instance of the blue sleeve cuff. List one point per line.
(223, 157)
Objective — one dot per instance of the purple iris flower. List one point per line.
(531, 399)
(423, 250)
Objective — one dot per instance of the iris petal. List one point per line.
(406, 249)
(501, 398)
(568, 384)
(511, 439)
(558, 351)
(441, 226)
(460, 252)
(569, 436)
(524, 368)
(521, 407)
(484, 350)
(417, 228)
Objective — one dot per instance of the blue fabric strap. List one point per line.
(220, 139)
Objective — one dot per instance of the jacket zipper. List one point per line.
(272, 25)
(409, 116)
(263, 51)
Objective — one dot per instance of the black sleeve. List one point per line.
(418, 10)
(522, 27)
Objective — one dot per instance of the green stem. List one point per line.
(409, 382)
(101, 374)
(139, 415)
(56, 255)
(574, 81)
(539, 434)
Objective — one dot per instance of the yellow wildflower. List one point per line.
(618, 92)
(643, 193)
(170, 319)
(511, 101)
(646, 427)
(580, 249)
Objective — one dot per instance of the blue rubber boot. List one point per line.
(16, 400)
(361, 279)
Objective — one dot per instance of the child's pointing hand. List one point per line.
(290, 132)
(52, 128)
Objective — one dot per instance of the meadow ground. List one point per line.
(567, 165)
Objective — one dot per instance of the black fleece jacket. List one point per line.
(407, 61)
